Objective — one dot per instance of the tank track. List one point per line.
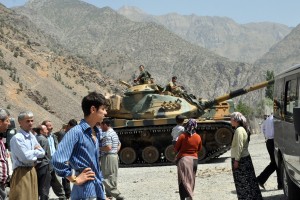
(166, 130)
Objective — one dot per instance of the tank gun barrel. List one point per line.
(236, 93)
(125, 83)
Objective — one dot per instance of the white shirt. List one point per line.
(268, 128)
(176, 131)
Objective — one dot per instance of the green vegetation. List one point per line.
(245, 109)
(270, 88)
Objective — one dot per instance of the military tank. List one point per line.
(145, 115)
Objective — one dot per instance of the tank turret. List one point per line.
(144, 117)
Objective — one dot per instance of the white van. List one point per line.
(287, 129)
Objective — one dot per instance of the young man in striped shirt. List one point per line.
(79, 150)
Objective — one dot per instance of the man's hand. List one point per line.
(86, 175)
(236, 164)
(37, 147)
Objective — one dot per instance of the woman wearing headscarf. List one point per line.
(188, 145)
(242, 168)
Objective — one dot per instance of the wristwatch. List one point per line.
(74, 180)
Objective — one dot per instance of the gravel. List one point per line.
(214, 179)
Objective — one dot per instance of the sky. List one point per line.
(241, 11)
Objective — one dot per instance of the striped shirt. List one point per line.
(51, 144)
(111, 138)
(3, 164)
(22, 147)
(81, 151)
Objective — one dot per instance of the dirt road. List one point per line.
(214, 180)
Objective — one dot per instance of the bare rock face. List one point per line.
(222, 35)
(284, 54)
(116, 46)
(37, 74)
(66, 48)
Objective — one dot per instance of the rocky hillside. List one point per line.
(221, 35)
(34, 77)
(284, 54)
(116, 46)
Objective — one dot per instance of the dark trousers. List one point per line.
(3, 195)
(44, 178)
(57, 186)
(67, 187)
(182, 192)
(263, 177)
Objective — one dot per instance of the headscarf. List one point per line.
(191, 126)
(242, 121)
(240, 118)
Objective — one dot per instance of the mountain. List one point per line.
(116, 46)
(284, 54)
(222, 35)
(34, 77)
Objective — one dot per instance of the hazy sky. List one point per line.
(242, 11)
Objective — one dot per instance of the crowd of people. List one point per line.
(188, 144)
(86, 155)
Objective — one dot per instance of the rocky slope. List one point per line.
(116, 46)
(282, 55)
(33, 77)
(221, 35)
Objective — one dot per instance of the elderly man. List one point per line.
(4, 123)
(25, 150)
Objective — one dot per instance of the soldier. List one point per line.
(173, 87)
(144, 77)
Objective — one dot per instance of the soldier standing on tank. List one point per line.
(144, 77)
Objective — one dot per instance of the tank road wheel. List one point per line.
(150, 154)
(202, 153)
(223, 136)
(127, 155)
(170, 153)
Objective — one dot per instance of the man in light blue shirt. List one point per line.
(25, 150)
(55, 183)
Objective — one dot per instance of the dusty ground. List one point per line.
(214, 180)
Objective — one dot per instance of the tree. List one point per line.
(244, 109)
(270, 88)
